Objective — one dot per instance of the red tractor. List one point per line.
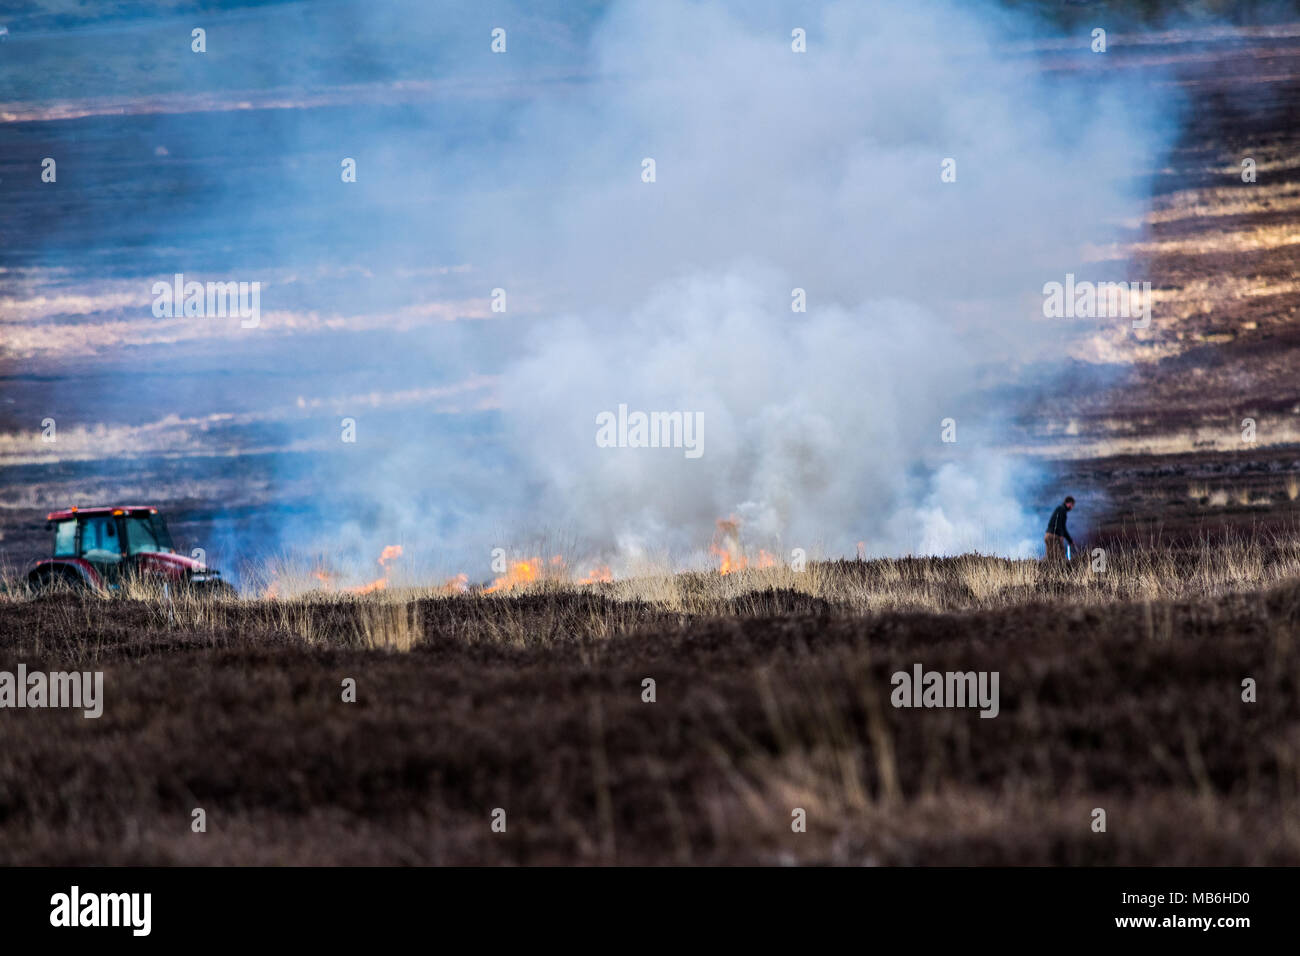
(101, 548)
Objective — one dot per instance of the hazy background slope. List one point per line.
(522, 171)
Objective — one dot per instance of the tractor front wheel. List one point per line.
(214, 589)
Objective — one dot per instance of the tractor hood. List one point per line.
(171, 562)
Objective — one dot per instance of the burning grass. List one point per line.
(381, 616)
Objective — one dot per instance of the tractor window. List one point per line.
(147, 534)
(99, 541)
(65, 539)
(161, 534)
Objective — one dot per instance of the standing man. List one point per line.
(1057, 534)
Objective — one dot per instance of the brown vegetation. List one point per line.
(1120, 690)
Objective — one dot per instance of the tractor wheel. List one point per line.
(52, 581)
(215, 589)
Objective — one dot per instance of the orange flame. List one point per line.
(600, 575)
(386, 557)
(518, 573)
(329, 578)
(457, 585)
(530, 570)
(726, 546)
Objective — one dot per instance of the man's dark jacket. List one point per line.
(1057, 524)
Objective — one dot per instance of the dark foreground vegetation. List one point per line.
(768, 699)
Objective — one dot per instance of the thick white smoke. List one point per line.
(777, 170)
(813, 423)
